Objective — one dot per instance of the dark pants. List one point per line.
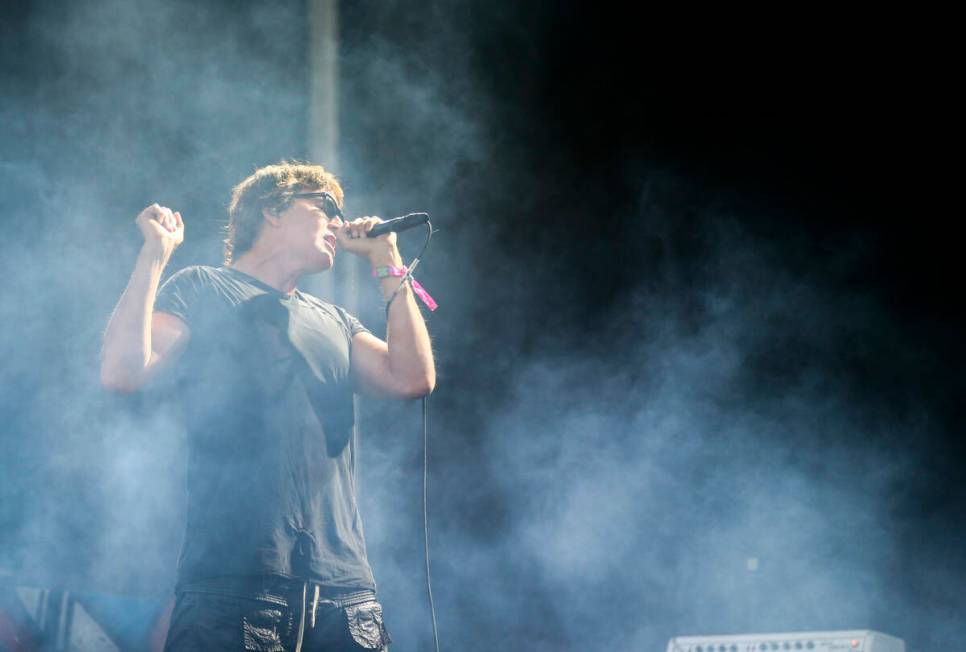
(274, 616)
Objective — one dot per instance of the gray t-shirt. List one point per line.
(267, 393)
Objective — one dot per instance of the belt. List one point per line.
(280, 590)
(339, 601)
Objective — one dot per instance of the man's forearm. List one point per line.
(410, 350)
(127, 341)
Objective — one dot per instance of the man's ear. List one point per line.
(271, 216)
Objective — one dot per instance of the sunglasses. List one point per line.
(329, 205)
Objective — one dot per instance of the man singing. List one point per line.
(274, 556)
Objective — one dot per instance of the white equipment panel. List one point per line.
(859, 640)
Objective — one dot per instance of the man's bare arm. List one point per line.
(403, 365)
(138, 342)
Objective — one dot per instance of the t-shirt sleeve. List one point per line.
(179, 295)
(353, 325)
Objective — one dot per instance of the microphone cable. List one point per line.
(429, 584)
(425, 412)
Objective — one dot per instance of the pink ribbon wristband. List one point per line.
(392, 270)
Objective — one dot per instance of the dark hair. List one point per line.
(270, 187)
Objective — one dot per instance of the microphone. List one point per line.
(398, 224)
